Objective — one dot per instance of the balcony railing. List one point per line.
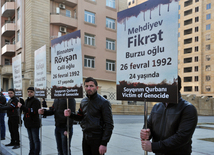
(64, 14)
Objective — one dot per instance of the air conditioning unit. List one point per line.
(62, 29)
(62, 6)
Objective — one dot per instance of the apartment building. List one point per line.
(28, 25)
(195, 49)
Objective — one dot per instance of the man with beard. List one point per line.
(96, 120)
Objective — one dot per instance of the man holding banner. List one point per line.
(32, 120)
(57, 110)
(96, 120)
(170, 126)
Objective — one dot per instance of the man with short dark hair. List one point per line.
(96, 120)
(170, 126)
(32, 121)
(13, 119)
(2, 114)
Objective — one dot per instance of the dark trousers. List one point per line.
(91, 144)
(33, 135)
(61, 140)
(13, 124)
(2, 125)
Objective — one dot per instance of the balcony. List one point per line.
(7, 70)
(8, 9)
(71, 3)
(63, 20)
(8, 30)
(8, 50)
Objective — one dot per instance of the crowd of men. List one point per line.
(170, 125)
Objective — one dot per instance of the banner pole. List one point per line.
(40, 117)
(68, 146)
(145, 119)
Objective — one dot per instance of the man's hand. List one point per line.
(67, 112)
(144, 134)
(65, 133)
(146, 145)
(41, 111)
(102, 149)
(19, 105)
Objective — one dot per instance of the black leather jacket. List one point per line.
(57, 110)
(172, 127)
(96, 117)
(11, 107)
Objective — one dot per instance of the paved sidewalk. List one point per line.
(125, 141)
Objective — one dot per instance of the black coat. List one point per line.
(11, 107)
(2, 102)
(57, 110)
(172, 127)
(96, 117)
(31, 116)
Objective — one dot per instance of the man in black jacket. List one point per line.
(32, 121)
(171, 126)
(96, 120)
(2, 114)
(57, 110)
(13, 119)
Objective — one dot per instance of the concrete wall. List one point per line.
(204, 106)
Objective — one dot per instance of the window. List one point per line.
(179, 7)
(208, 36)
(196, 19)
(7, 41)
(207, 47)
(132, 1)
(18, 13)
(110, 65)
(110, 23)
(196, 39)
(68, 13)
(196, 68)
(178, 34)
(208, 88)
(208, 6)
(196, 1)
(90, 17)
(18, 35)
(75, 13)
(89, 39)
(196, 48)
(179, 16)
(208, 57)
(110, 44)
(208, 78)
(207, 68)
(196, 59)
(196, 9)
(89, 61)
(196, 88)
(196, 78)
(208, 26)
(110, 3)
(179, 25)
(196, 29)
(7, 61)
(208, 16)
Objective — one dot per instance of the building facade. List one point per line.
(28, 25)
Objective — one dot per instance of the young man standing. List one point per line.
(96, 120)
(32, 120)
(170, 126)
(13, 119)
